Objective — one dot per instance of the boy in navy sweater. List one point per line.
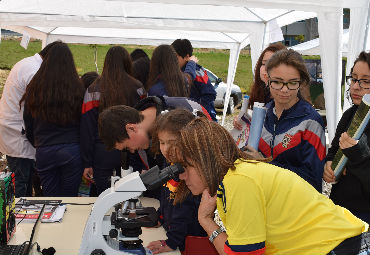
(202, 90)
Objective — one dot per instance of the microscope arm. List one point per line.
(129, 187)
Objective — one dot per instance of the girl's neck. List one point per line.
(279, 108)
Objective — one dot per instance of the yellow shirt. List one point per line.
(263, 205)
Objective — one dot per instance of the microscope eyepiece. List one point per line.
(155, 177)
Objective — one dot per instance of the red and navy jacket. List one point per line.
(202, 90)
(179, 220)
(93, 150)
(296, 141)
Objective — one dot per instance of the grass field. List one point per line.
(215, 60)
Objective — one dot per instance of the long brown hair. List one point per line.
(164, 66)
(259, 91)
(117, 86)
(55, 93)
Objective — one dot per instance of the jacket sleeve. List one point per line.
(182, 217)
(203, 91)
(158, 89)
(190, 69)
(341, 127)
(88, 129)
(28, 125)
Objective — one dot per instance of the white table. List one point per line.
(66, 236)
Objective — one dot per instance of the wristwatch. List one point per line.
(216, 233)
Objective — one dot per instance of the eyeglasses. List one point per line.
(278, 85)
(363, 83)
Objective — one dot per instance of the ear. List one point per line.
(266, 78)
(131, 128)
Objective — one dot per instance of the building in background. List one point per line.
(306, 30)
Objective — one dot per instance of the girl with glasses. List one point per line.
(352, 189)
(293, 134)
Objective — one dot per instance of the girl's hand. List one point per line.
(158, 247)
(328, 176)
(207, 207)
(252, 153)
(237, 124)
(193, 58)
(88, 174)
(345, 141)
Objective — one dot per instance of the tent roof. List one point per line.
(132, 14)
(199, 39)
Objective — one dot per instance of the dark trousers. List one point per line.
(23, 169)
(102, 178)
(60, 169)
(357, 245)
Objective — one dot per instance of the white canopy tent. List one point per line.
(252, 17)
(207, 26)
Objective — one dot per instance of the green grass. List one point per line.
(215, 60)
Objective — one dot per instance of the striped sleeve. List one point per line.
(249, 249)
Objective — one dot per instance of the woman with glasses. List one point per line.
(293, 134)
(352, 189)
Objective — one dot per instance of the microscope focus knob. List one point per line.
(113, 233)
(97, 252)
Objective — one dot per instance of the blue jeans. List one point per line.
(23, 169)
(60, 169)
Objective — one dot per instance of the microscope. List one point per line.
(118, 233)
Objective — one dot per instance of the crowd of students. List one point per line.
(143, 112)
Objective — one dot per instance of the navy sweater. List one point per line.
(202, 90)
(179, 220)
(93, 150)
(44, 133)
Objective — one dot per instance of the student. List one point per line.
(202, 90)
(127, 128)
(52, 111)
(264, 208)
(293, 132)
(259, 91)
(352, 189)
(165, 77)
(88, 78)
(20, 154)
(115, 86)
(180, 220)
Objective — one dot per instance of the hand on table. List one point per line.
(158, 247)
